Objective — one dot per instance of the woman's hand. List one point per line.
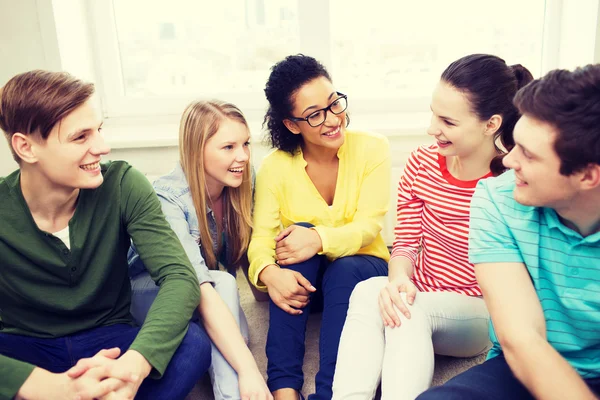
(290, 290)
(390, 296)
(253, 386)
(296, 244)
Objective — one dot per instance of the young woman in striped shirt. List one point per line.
(430, 302)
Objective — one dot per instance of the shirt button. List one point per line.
(74, 269)
(574, 271)
(65, 252)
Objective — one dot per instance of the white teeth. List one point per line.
(333, 133)
(236, 170)
(90, 167)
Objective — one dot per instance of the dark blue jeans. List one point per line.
(189, 363)
(491, 380)
(285, 340)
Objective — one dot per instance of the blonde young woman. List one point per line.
(207, 201)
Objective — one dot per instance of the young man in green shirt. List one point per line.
(66, 222)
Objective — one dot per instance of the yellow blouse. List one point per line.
(285, 195)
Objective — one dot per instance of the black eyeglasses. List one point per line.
(317, 118)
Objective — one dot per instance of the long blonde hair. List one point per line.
(199, 122)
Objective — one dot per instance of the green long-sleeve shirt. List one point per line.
(49, 291)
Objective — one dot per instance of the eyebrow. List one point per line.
(234, 142)
(80, 131)
(525, 149)
(311, 107)
(444, 117)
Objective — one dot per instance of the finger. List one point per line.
(302, 297)
(289, 309)
(85, 364)
(285, 232)
(297, 304)
(304, 282)
(411, 293)
(396, 298)
(387, 320)
(101, 389)
(388, 307)
(112, 371)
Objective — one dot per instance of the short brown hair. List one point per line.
(33, 102)
(570, 102)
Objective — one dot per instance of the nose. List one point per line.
(331, 119)
(434, 129)
(509, 160)
(243, 155)
(99, 146)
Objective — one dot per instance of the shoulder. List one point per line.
(497, 192)
(173, 184)
(275, 161)
(120, 175)
(362, 140)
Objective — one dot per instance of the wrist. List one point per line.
(143, 366)
(318, 242)
(36, 382)
(267, 272)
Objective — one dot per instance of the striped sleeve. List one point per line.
(409, 209)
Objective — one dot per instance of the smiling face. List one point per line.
(70, 156)
(537, 167)
(226, 155)
(456, 128)
(314, 95)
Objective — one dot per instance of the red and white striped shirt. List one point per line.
(433, 224)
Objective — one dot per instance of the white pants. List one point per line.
(403, 357)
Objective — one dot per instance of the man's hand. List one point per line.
(288, 289)
(97, 383)
(296, 244)
(130, 369)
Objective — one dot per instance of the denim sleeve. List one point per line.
(176, 215)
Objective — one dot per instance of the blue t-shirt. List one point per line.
(564, 267)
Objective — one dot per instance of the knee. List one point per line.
(367, 291)
(345, 271)
(225, 284)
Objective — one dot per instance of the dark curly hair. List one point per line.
(490, 85)
(287, 76)
(570, 102)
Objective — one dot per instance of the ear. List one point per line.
(493, 125)
(292, 126)
(24, 146)
(590, 177)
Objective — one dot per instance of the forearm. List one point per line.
(545, 373)
(400, 267)
(224, 330)
(14, 375)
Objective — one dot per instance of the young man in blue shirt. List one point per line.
(535, 243)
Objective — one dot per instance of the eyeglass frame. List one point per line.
(326, 109)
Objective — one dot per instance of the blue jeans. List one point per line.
(189, 363)
(491, 380)
(223, 377)
(285, 340)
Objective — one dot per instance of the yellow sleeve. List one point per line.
(373, 203)
(266, 224)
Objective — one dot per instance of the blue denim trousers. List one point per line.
(491, 380)
(285, 340)
(189, 363)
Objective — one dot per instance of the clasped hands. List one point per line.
(289, 289)
(104, 376)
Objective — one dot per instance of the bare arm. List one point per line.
(521, 330)
(225, 334)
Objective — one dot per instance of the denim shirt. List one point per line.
(176, 199)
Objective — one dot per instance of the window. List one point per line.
(385, 54)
